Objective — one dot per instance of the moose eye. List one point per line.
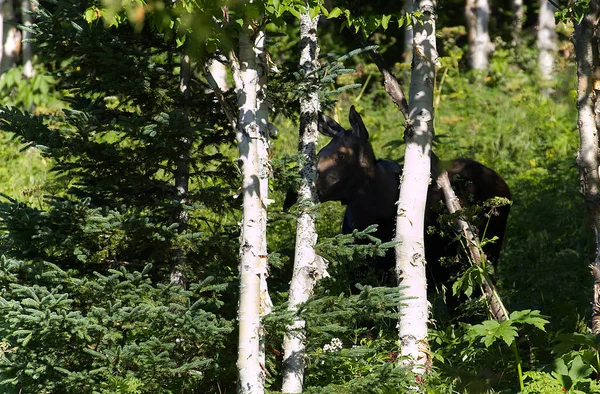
(341, 156)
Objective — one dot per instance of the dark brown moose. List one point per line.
(349, 172)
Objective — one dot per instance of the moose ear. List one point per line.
(358, 127)
(330, 127)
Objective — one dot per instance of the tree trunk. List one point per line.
(517, 23)
(218, 71)
(546, 40)
(308, 266)
(497, 309)
(390, 82)
(182, 171)
(408, 33)
(28, 71)
(410, 252)
(477, 15)
(253, 255)
(264, 168)
(2, 34)
(11, 44)
(588, 155)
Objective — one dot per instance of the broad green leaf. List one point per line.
(561, 368)
(527, 316)
(90, 15)
(490, 330)
(335, 13)
(579, 370)
(385, 20)
(567, 342)
(402, 20)
(467, 282)
(324, 10)
(294, 12)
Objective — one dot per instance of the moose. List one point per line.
(348, 171)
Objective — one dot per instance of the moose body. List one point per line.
(349, 172)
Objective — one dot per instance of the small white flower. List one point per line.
(335, 345)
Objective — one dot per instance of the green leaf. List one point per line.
(527, 316)
(324, 10)
(490, 330)
(402, 20)
(336, 12)
(561, 373)
(90, 15)
(294, 12)
(567, 342)
(470, 280)
(579, 370)
(385, 20)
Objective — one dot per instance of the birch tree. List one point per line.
(477, 15)
(308, 266)
(218, 72)
(248, 72)
(182, 171)
(410, 252)
(517, 23)
(408, 32)
(27, 50)
(11, 40)
(588, 122)
(546, 40)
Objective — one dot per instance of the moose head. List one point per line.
(346, 161)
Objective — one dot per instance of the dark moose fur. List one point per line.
(349, 172)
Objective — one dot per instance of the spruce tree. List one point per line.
(87, 302)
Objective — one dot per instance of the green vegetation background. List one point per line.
(504, 122)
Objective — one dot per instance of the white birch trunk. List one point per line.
(253, 255)
(517, 23)
(182, 172)
(308, 266)
(496, 306)
(410, 251)
(28, 71)
(218, 71)
(546, 40)
(477, 15)
(408, 33)
(589, 152)
(12, 38)
(263, 146)
(2, 19)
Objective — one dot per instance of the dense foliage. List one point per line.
(93, 226)
(89, 305)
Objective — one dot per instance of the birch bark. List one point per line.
(546, 40)
(218, 71)
(496, 306)
(12, 38)
(253, 300)
(588, 155)
(2, 34)
(26, 46)
(264, 173)
(410, 252)
(182, 172)
(308, 266)
(408, 33)
(517, 23)
(477, 14)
